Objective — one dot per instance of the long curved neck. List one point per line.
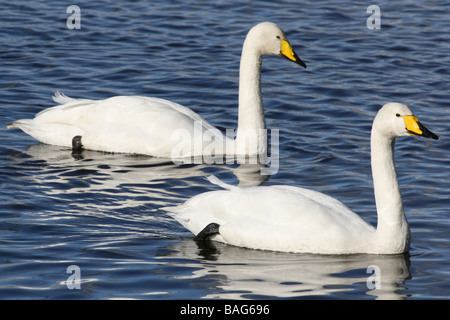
(392, 228)
(251, 123)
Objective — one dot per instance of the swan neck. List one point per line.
(392, 227)
(251, 131)
(251, 113)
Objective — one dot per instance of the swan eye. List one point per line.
(397, 115)
(278, 37)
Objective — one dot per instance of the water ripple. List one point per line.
(99, 211)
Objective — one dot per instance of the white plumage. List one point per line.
(161, 128)
(292, 219)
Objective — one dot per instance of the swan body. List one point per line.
(293, 219)
(161, 128)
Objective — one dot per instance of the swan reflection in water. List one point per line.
(138, 179)
(240, 273)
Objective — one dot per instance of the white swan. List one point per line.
(292, 219)
(157, 127)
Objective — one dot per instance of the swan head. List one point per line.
(268, 38)
(397, 120)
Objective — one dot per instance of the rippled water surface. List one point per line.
(99, 211)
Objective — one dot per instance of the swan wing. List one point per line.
(281, 218)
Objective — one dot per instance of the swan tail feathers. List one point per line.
(22, 124)
(177, 213)
(61, 98)
(220, 183)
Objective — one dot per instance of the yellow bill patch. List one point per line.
(287, 51)
(412, 125)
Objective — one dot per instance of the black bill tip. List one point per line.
(427, 133)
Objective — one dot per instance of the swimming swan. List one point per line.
(292, 219)
(161, 128)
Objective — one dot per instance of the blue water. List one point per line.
(99, 212)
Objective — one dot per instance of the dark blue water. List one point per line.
(99, 212)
